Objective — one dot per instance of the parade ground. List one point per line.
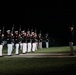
(44, 53)
(51, 61)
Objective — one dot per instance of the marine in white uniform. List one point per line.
(9, 43)
(20, 44)
(29, 46)
(36, 41)
(33, 41)
(71, 40)
(17, 40)
(40, 41)
(1, 42)
(24, 42)
(47, 40)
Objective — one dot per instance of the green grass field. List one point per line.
(64, 49)
(29, 66)
(40, 66)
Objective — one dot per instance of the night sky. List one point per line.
(53, 17)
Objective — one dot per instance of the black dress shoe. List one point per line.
(17, 54)
(1, 56)
(32, 52)
(71, 54)
(24, 53)
(9, 55)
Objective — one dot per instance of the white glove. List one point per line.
(2, 34)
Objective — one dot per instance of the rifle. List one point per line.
(28, 32)
(3, 30)
(12, 29)
(35, 34)
(20, 30)
(35, 31)
(40, 32)
(31, 30)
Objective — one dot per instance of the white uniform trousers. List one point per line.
(29, 47)
(9, 49)
(47, 44)
(33, 47)
(71, 48)
(20, 46)
(40, 45)
(12, 46)
(17, 48)
(24, 49)
(36, 45)
(3, 43)
(1, 47)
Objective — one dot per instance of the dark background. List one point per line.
(53, 17)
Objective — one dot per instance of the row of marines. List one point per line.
(26, 41)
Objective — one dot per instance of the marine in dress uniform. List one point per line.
(1, 42)
(71, 40)
(36, 39)
(40, 41)
(24, 42)
(17, 40)
(12, 31)
(47, 40)
(36, 42)
(20, 35)
(29, 46)
(9, 43)
(33, 41)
